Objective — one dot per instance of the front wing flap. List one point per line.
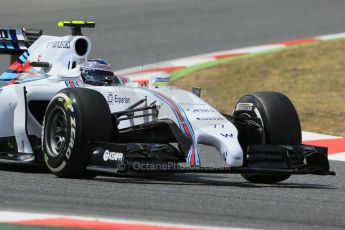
(260, 159)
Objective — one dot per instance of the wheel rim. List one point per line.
(56, 131)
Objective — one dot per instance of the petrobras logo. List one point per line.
(112, 156)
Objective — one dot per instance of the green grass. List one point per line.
(312, 76)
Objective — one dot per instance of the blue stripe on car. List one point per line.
(9, 45)
(8, 76)
(191, 131)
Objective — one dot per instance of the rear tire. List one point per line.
(73, 118)
(280, 122)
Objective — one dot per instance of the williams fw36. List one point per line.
(50, 114)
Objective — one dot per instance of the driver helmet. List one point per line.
(97, 72)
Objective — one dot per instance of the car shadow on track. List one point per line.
(203, 180)
(23, 167)
(164, 179)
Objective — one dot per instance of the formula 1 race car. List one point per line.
(48, 113)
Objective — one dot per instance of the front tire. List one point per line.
(73, 118)
(281, 125)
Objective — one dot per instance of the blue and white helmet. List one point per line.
(97, 72)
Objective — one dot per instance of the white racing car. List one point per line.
(81, 120)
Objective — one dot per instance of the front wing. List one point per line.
(260, 159)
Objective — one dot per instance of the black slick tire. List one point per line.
(74, 117)
(280, 122)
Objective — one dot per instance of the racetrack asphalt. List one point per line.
(130, 33)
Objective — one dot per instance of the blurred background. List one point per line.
(133, 32)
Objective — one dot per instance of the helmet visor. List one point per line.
(97, 77)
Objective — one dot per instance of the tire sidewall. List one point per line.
(280, 127)
(280, 123)
(61, 162)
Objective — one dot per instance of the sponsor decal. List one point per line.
(221, 126)
(113, 98)
(71, 139)
(112, 156)
(201, 110)
(244, 107)
(1, 90)
(68, 106)
(192, 104)
(59, 45)
(227, 135)
(210, 118)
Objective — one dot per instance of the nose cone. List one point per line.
(224, 138)
(207, 126)
(233, 154)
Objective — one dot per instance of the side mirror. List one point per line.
(196, 91)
